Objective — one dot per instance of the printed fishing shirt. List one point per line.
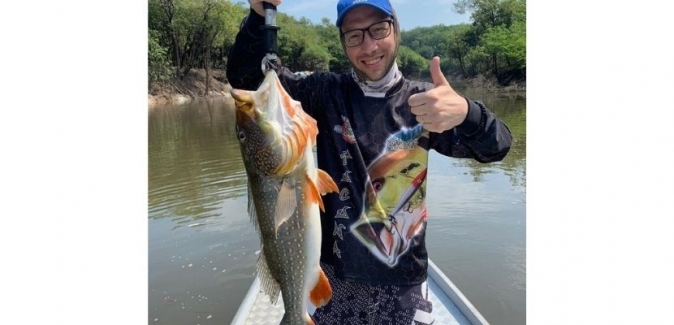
(377, 153)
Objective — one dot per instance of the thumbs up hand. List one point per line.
(440, 108)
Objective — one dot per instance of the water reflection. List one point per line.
(511, 108)
(202, 246)
(194, 162)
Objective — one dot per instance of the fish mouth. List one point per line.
(244, 103)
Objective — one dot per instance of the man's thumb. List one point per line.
(436, 74)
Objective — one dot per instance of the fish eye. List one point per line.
(377, 184)
(240, 134)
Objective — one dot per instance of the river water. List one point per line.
(202, 246)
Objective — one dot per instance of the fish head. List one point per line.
(273, 130)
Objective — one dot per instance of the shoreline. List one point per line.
(191, 87)
(179, 99)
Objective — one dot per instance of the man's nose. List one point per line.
(369, 41)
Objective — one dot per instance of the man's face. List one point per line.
(371, 58)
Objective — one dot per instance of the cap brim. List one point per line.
(341, 16)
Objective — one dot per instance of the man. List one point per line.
(375, 131)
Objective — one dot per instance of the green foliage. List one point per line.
(329, 40)
(159, 65)
(427, 41)
(507, 43)
(410, 63)
(491, 13)
(305, 46)
(497, 40)
(196, 33)
(458, 46)
(477, 61)
(314, 58)
(199, 33)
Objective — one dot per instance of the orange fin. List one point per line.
(312, 193)
(322, 292)
(325, 183)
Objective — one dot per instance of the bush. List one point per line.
(159, 65)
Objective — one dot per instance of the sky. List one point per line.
(410, 13)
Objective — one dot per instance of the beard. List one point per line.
(362, 76)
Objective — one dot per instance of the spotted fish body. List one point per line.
(276, 138)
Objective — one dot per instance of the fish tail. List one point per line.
(322, 291)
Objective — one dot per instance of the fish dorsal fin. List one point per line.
(325, 183)
(286, 204)
(267, 281)
(322, 291)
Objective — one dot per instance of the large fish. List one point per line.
(276, 138)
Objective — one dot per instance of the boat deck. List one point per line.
(450, 306)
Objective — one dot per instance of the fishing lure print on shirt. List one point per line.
(394, 208)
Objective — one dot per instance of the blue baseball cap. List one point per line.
(344, 6)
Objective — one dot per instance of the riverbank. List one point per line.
(193, 86)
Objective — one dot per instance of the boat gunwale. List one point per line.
(455, 295)
(247, 304)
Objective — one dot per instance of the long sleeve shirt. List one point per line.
(377, 153)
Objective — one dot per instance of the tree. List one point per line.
(195, 29)
(491, 18)
(305, 46)
(328, 36)
(491, 13)
(199, 33)
(161, 16)
(509, 43)
(410, 63)
(159, 66)
(457, 46)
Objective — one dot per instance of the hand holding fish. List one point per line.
(440, 108)
(257, 5)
